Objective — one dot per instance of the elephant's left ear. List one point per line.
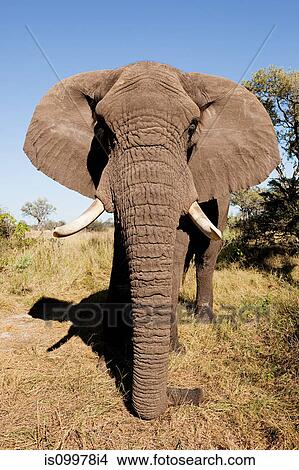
(237, 147)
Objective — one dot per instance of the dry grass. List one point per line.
(246, 363)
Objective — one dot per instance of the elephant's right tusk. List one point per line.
(85, 219)
(203, 222)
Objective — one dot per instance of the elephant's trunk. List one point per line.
(151, 287)
(147, 206)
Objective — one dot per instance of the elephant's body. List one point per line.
(150, 143)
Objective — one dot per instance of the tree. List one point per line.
(272, 214)
(279, 219)
(40, 209)
(248, 200)
(250, 204)
(278, 91)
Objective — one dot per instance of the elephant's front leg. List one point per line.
(204, 283)
(181, 246)
(205, 262)
(118, 327)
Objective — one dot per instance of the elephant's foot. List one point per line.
(204, 314)
(185, 396)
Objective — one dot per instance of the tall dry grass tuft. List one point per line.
(49, 266)
(245, 362)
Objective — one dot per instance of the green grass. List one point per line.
(246, 362)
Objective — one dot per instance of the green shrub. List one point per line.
(7, 224)
(20, 230)
(23, 262)
(10, 228)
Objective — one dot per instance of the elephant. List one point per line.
(162, 149)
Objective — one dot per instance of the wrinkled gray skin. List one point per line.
(170, 139)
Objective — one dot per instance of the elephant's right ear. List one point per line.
(61, 131)
(237, 147)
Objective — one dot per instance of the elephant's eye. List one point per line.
(104, 134)
(192, 127)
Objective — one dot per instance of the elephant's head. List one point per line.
(148, 141)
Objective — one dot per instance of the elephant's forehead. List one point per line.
(154, 89)
(149, 76)
(147, 104)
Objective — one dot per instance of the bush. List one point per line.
(7, 225)
(23, 262)
(10, 228)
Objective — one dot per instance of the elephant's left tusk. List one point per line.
(203, 222)
(85, 219)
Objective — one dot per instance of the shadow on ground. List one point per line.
(99, 327)
(106, 328)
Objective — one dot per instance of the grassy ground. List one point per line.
(246, 362)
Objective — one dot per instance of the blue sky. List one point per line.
(217, 37)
